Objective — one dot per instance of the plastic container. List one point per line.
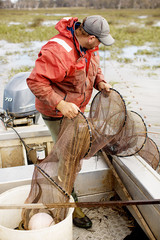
(10, 219)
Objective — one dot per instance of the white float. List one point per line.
(10, 219)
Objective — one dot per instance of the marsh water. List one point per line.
(136, 76)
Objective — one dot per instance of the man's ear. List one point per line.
(91, 38)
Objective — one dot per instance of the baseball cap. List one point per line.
(98, 26)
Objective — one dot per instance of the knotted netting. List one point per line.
(150, 153)
(54, 177)
(110, 127)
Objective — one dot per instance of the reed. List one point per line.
(28, 24)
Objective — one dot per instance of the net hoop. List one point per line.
(145, 132)
(152, 163)
(121, 98)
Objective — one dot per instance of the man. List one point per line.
(65, 73)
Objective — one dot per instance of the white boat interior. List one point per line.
(142, 182)
(95, 181)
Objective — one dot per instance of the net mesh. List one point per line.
(110, 127)
(130, 139)
(54, 177)
(150, 153)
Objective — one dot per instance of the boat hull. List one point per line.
(142, 182)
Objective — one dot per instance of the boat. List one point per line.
(95, 182)
(141, 181)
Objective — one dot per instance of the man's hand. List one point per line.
(68, 109)
(105, 86)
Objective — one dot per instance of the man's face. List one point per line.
(92, 42)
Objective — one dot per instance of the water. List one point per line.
(157, 24)
(49, 23)
(138, 82)
(17, 55)
(131, 52)
(13, 57)
(137, 85)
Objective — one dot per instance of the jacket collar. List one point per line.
(67, 27)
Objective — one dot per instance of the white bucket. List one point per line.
(10, 219)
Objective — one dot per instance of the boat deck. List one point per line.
(108, 224)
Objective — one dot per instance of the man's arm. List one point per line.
(100, 83)
(105, 86)
(49, 69)
(68, 109)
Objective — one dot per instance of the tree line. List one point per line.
(115, 4)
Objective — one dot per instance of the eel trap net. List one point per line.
(110, 127)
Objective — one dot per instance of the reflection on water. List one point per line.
(16, 55)
(133, 53)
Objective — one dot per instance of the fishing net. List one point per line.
(110, 127)
(130, 139)
(54, 177)
(107, 116)
(150, 153)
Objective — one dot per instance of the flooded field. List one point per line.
(135, 76)
(131, 65)
(140, 89)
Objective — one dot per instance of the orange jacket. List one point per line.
(63, 71)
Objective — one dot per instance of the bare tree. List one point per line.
(6, 4)
(119, 4)
(1, 4)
